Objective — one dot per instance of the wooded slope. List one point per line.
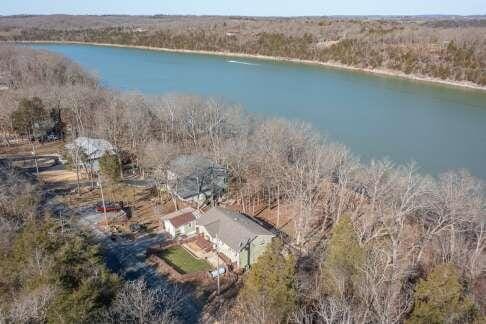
(447, 48)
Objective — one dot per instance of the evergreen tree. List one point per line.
(340, 270)
(110, 166)
(29, 114)
(70, 266)
(271, 283)
(441, 299)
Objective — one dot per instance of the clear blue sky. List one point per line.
(245, 7)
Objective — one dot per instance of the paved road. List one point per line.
(53, 160)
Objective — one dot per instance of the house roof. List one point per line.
(195, 174)
(180, 217)
(234, 229)
(93, 147)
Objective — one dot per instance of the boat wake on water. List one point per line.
(240, 62)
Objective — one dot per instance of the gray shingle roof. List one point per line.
(94, 147)
(192, 171)
(232, 228)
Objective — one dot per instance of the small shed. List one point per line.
(181, 222)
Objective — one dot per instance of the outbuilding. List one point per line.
(181, 222)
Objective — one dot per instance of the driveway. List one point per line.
(127, 258)
(123, 256)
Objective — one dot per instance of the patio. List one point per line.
(203, 249)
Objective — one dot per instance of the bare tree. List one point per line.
(137, 303)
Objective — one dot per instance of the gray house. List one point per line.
(237, 236)
(196, 178)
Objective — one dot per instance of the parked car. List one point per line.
(52, 137)
(109, 206)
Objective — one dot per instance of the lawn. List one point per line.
(183, 261)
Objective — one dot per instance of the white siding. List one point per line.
(229, 252)
(169, 228)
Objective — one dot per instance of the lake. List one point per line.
(440, 127)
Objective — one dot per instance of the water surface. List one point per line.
(440, 127)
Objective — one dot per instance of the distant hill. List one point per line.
(449, 47)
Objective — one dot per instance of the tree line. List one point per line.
(454, 51)
(368, 242)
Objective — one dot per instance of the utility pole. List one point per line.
(217, 259)
(103, 200)
(278, 205)
(62, 223)
(76, 162)
(34, 153)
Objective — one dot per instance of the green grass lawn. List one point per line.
(183, 261)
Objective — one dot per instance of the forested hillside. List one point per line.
(52, 271)
(363, 243)
(450, 49)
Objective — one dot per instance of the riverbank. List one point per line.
(335, 65)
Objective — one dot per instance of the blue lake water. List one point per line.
(440, 127)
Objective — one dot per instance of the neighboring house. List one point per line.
(196, 178)
(181, 222)
(4, 82)
(41, 129)
(92, 149)
(237, 236)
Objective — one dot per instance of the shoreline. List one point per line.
(334, 65)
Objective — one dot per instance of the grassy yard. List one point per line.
(183, 261)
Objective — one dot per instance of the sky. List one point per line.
(245, 7)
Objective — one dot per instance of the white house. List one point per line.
(181, 222)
